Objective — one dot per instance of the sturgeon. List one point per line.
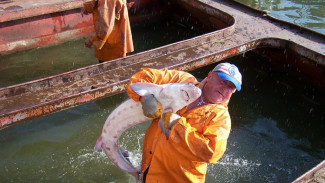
(172, 96)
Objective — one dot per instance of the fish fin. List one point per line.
(144, 89)
(99, 143)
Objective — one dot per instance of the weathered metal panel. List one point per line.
(18, 10)
(316, 174)
(43, 30)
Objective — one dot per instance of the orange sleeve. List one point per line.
(105, 21)
(158, 77)
(208, 145)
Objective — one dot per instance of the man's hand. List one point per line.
(151, 106)
(167, 121)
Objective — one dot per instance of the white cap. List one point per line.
(229, 72)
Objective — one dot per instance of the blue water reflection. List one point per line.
(306, 13)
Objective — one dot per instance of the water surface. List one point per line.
(305, 13)
(277, 135)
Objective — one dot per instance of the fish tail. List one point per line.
(99, 143)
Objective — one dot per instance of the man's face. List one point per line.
(218, 90)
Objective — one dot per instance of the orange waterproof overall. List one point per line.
(112, 38)
(200, 137)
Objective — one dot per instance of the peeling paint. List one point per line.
(118, 88)
(242, 48)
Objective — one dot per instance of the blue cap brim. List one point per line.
(225, 76)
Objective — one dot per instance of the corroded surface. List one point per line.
(315, 175)
(19, 9)
(36, 23)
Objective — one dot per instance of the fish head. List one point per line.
(144, 89)
(179, 95)
(172, 96)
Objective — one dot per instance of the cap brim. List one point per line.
(225, 76)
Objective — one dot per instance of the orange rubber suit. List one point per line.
(195, 140)
(112, 38)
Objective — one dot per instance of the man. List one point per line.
(178, 147)
(112, 37)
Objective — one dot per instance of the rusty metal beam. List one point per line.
(316, 174)
(39, 24)
(247, 30)
(31, 8)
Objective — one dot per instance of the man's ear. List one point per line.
(209, 75)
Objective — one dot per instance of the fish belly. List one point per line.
(126, 115)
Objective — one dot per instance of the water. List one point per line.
(277, 135)
(42, 62)
(59, 147)
(306, 13)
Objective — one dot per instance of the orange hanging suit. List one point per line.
(113, 37)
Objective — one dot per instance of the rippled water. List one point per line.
(277, 135)
(305, 13)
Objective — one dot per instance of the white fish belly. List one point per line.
(126, 115)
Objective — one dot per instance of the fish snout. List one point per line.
(193, 92)
(196, 92)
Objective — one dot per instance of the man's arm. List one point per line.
(208, 145)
